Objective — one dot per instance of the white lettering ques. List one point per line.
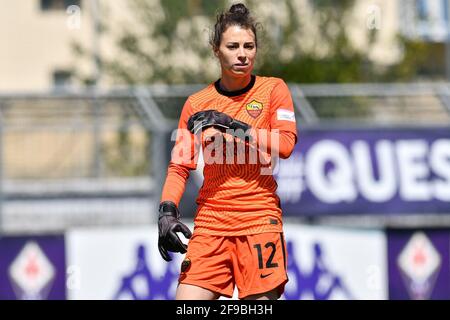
(410, 169)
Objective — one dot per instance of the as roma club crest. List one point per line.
(254, 108)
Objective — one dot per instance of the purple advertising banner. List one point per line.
(32, 268)
(371, 171)
(418, 264)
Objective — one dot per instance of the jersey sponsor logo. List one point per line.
(254, 108)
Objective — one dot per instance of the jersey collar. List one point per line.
(237, 92)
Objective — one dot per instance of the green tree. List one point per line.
(331, 58)
(171, 44)
(171, 32)
(174, 27)
(421, 60)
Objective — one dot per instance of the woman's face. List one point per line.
(237, 51)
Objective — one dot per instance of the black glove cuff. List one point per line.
(241, 130)
(239, 125)
(168, 208)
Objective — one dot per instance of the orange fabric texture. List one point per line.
(255, 263)
(236, 198)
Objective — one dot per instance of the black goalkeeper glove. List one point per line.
(168, 226)
(213, 118)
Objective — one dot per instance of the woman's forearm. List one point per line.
(275, 141)
(175, 184)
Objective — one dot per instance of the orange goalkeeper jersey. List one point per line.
(237, 198)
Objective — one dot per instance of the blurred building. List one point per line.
(38, 37)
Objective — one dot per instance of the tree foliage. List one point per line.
(171, 44)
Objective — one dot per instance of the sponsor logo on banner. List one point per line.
(121, 264)
(31, 273)
(419, 263)
(141, 284)
(326, 263)
(320, 283)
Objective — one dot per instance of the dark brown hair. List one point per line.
(238, 15)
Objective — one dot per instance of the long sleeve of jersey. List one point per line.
(281, 143)
(183, 159)
(282, 136)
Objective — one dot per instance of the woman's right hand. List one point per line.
(168, 225)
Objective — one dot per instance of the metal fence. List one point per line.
(100, 156)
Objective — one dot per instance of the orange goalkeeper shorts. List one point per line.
(255, 264)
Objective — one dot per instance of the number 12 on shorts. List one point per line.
(269, 263)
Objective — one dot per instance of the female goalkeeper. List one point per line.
(241, 122)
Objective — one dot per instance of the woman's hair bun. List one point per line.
(239, 8)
